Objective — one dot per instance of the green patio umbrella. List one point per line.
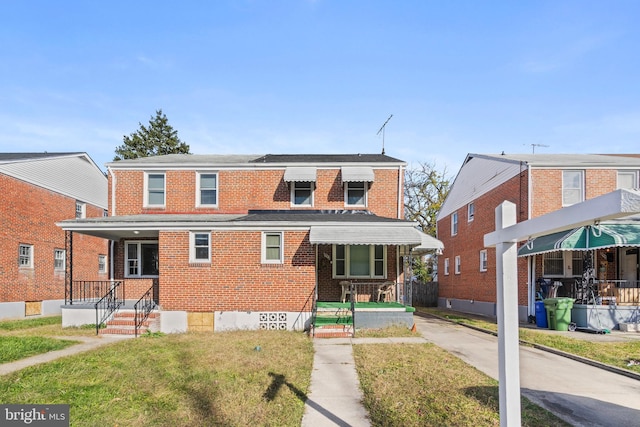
(601, 236)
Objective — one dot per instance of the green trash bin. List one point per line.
(559, 313)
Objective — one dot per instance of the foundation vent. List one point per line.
(273, 321)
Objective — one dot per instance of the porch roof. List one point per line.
(366, 235)
(609, 234)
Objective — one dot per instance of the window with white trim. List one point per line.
(360, 261)
(483, 260)
(141, 259)
(207, 189)
(25, 256)
(553, 264)
(200, 247)
(457, 264)
(272, 248)
(81, 210)
(446, 266)
(627, 179)
(102, 263)
(59, 258)
(302, 193)
(471, 211)
(355, 193)
(454, 223)
(572, 187)
(155, 189)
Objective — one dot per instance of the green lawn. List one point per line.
(223, 379)
(408, 385)
(16, 348)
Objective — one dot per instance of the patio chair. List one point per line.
(386, 291)
(346, 290)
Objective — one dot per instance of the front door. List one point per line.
(629, 264)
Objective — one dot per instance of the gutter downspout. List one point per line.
(400, 192)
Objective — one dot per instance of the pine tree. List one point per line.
(157, 139)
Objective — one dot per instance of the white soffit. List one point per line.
(300, 174)
(475, 178)
(357, 174)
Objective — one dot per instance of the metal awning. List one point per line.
(357, 174)
(589, 237)
(365, 235)
(300, 174)
(429, 244)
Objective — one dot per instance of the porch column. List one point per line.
(507, 312)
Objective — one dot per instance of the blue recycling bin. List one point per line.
(541, 315)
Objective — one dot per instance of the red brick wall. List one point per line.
(242, 190)
(27, 216)
(546, 197)
(236, 280)
(471, 283)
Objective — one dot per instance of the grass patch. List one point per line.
(15, 348)
(390, 331)
(617, 354)
(192, 379)
(423, 385)
(15, 325)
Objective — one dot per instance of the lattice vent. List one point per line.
(273, 321)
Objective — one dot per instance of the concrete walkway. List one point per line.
(580, 394)
(335, 398)
(87, 343)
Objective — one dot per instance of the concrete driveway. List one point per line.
(581, 394)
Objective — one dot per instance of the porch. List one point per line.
(338, 319)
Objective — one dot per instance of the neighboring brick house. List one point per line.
(38, 190)
(537, 184)
(252, 241)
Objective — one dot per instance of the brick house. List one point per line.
(37, 191)
(537, 184)
(251, 241)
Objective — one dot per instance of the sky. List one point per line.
(323, 76)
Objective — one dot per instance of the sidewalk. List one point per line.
(87, 343)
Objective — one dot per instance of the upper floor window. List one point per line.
(572, 187)
(102, 263)
(207, 189)
(272, 248)
(141, 259)
(471, 211)
(25, 256)
(483, 260)
(59, 259)
(446, 266)
(200, 247)
(302, 193)
(355, 193)
(457, 264)
(454, 223)
(81, 210)
(155, 189)
(627, 179)
(359, 261)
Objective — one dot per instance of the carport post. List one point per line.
(508, 323)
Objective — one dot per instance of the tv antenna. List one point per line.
(533, 147)
(382, 130)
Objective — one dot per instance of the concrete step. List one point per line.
(332, 331)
